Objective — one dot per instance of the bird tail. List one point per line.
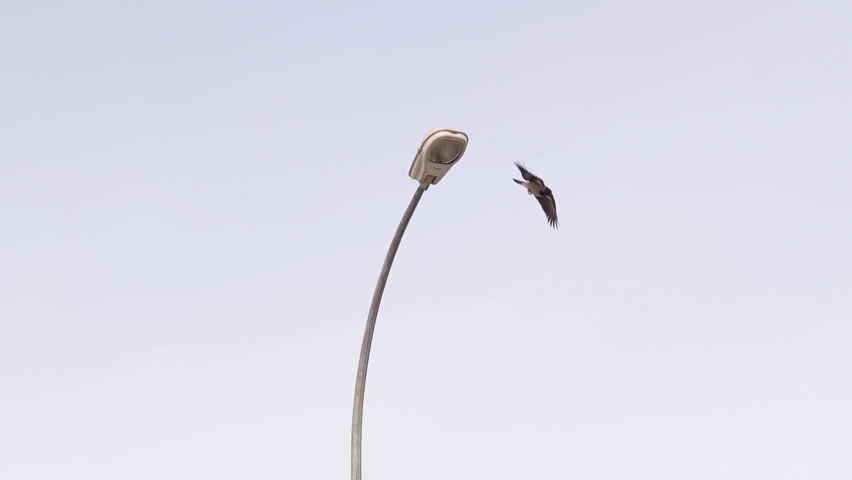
(519, 182)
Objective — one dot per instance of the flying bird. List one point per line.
(535, 186)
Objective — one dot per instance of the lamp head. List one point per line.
(438, 152)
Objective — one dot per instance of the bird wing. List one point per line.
(529, 176)
(548, 204)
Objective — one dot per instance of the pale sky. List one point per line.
(196, 199)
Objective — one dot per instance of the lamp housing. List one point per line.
(440, 150)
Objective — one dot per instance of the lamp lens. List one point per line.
(445, 150)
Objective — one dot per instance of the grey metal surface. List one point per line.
(361, 379)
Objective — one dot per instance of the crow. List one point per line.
(535, 186)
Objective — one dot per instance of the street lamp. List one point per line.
(440, 150)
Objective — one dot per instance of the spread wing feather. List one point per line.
(548, 204)
(529, 176)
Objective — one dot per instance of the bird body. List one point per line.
(536, 187)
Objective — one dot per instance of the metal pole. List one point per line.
(361, 379)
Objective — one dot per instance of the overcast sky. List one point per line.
(196, 199)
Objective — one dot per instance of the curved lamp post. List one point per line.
(438, 152)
